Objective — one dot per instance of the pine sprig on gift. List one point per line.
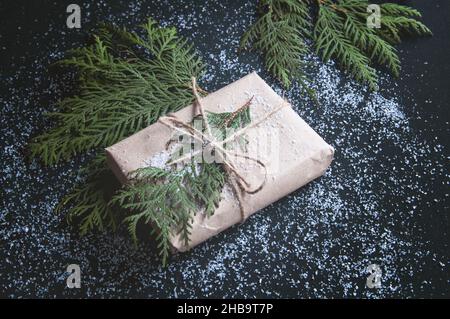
(158, 197)
(338, 30)
(169, 198)
(127, 81)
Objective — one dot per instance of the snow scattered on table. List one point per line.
(370, 207)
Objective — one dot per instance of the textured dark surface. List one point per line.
(384, 200)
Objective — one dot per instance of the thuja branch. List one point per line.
(341, 32)
(168, 198)
(127, 81)
(279, 34)
(338, 30)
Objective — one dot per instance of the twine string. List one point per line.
(237, 181)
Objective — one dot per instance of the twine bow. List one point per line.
(238, 182)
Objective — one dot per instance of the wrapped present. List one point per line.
(280, 154)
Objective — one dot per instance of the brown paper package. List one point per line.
(297, 155)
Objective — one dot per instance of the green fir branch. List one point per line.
(279, 35)
(88, 204)
(341, 32)
(167, 199)
(332, 39)
(127, 81)
(338, 30)
(397, 20)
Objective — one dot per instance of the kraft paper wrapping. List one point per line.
(296, 154)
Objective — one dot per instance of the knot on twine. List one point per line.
(238, 182)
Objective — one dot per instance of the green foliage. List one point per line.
(279, 34)
(164, 204)
(168, 199)
(397, 20)
(127, 82)
(88, 203)
(218, 120)
(222, 126)
(207, 187)
(339, 32)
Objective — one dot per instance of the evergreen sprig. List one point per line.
(338, 30)
(341, 32)
(279, 34)
(88, 203)
(169, 198)
(127, 81)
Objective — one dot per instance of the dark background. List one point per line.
(384, 200)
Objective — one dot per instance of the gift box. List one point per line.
(293, 154)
